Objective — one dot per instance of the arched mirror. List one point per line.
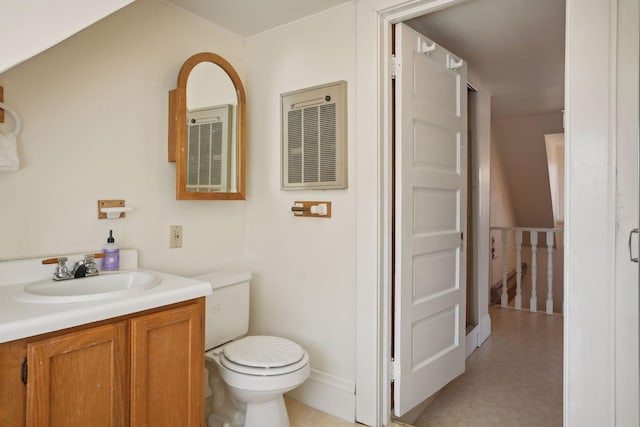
(207, 130)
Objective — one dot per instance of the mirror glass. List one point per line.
(211, 108)
(209, 130)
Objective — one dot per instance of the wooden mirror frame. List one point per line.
(178, 130)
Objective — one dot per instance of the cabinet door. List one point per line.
(167, 368)
(79, 378)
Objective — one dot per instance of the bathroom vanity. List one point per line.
(132, 358)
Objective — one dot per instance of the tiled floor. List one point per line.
(514, 380)
(301, 415)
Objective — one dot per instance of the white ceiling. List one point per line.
(250, 17)
(514, 47)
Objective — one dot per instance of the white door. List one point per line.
(430, 217)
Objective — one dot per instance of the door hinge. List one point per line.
(392, 370)
(395, 66)
(24, 371)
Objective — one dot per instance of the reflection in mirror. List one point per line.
(211, 108)
(206, 130)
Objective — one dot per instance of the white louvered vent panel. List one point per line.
(314, 138)
(328, 142)
(294, 147)
(208, 135)
(215, 163)
(193, 155)
(310, 149)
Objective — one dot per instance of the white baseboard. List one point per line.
(478, 335)
(471, 342)
(328, 393)
(484, 329)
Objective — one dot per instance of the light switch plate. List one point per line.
(175, 236)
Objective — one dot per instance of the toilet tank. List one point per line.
(227, 308)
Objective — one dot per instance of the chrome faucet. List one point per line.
(86, 267)
(62, 272)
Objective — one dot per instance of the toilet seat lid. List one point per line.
(263, 352)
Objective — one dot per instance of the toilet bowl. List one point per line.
(257, 371)
(248, 375)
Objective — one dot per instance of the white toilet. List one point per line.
(249, 375)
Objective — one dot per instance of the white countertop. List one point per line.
(21, 319)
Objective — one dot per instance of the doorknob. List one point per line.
(631, 233)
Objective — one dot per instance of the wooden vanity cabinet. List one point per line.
(144, 369)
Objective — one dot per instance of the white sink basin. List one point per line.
(105, 285)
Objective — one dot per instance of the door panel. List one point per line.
(430, 194)
(432, 273)
(162, 377)
(439, 149)
(79, 379)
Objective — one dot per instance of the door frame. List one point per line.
(374, 20)
(590, 135)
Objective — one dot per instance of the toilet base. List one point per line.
(272, 413)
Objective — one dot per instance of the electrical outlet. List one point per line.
(175, 236)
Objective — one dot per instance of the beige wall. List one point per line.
(501, 215)
(304, 283)
(520, 142)
(94, 110)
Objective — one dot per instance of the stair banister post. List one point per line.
(550, 235)
(533, 302)
(504, 298)
(518, 269)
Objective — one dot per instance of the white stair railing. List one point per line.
(549, 271)
(518, 268)
(533, 302)
(552, 238)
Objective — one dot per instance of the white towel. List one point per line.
(9, 160)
